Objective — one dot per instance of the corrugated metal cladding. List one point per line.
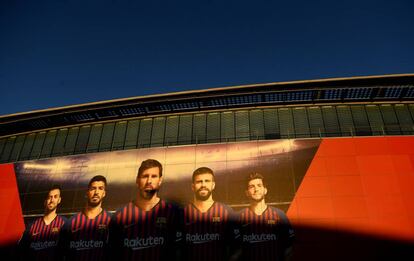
(213, 127)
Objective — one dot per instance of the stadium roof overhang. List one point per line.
(395, 88)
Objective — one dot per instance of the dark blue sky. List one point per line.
(56, 53)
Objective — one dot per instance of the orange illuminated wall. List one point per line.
(11, 219)
(359, 187)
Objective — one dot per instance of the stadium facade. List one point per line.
(338, 154)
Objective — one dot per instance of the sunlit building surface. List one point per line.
(338, 155)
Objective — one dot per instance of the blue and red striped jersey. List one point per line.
(87, 239)
(265, 236)
(208, 235)
(41, 241)
(145, 235)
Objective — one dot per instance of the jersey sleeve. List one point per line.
(176, 233)
(178, 228)
(64, 238)
(232, 233)
(287, 232)
(235, 236)
(115, 237)
(23, 244)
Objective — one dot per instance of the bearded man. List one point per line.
(208, 231)
(86, 233)
(40, 241)
(145, 229)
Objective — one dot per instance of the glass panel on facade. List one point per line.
(144, 138)
(316, 125)
(37, 145)
(411, 109)
(94, 138)
(71, 140)
(257, 131)
(271, 124)
(213, 127)
(60, 142)
(404, 118)
(242, 126)
(82, 141)
(48, 144)
(227, 126)
(107, 136)
(345, 120)
(131, 137)
(119, 135)
(185, 129)
(2, 144)
(300, 118)
(158, 132)
(18, 144)
(171, 131)
(361, 123)
(27, 147)
(286, 123)
(375, 119)
(200, 127)
(7, 149)
(390, 120)
(330, 119)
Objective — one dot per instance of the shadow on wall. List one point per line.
(321, 244)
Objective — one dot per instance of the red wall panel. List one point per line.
(358, 187)
(11, 219)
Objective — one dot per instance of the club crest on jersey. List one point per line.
(161, 222)
(271, 222)
(102, 226)
(216, 220)
(127, 226)
(55, 230)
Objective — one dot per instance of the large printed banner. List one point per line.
(283, 163)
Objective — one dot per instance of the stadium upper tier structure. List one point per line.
(356, 106)
(337, 156)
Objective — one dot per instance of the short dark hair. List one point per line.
(202, 170)
(147, 164)
(97, 178)
(53, 187)
(255, 175)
